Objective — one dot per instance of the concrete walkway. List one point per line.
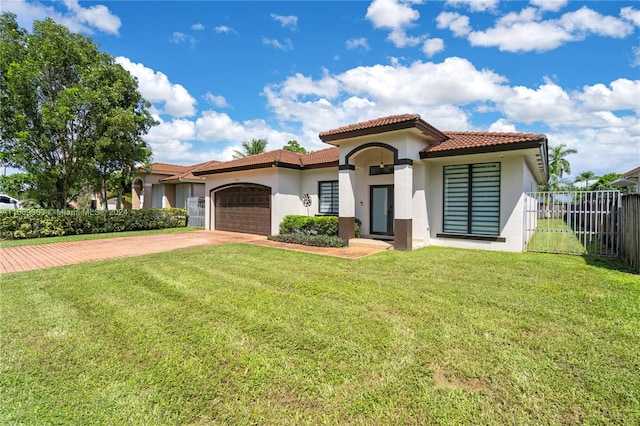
(26, 258)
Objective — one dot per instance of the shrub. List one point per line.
(309, 240)
(312, 225)
(36, 223)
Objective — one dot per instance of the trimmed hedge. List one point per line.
(36, 223)
(318, 231)
(312, 225)
(309, 240)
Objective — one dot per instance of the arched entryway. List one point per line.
(137, 194)
(243, 207)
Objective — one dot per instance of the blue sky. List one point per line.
(218, 73)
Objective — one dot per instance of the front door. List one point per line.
(381, 217)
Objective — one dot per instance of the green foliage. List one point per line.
(36, 223)
(252, 147)
(309, 225)
(294, 146)
(604, 182)
(71, 115)
(312, 226)
(309, 240)
(585, 177)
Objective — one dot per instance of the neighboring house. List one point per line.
(402, 178)
(629, 179)
(166, 185)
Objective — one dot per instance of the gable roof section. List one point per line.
(460, 143)
(383, 125)
(277, 158)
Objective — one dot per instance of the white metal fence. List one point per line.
(575, 222)
(195, 210)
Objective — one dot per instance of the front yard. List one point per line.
(241, 334)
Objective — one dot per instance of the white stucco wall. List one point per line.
(512, 185)
(309, 185)
(287, 187)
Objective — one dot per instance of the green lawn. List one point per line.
(84, 237)
(242, 334)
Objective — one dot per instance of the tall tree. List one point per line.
(558, 164)
(73, 113)
(252, 147)
(294, 146)
(585, 177)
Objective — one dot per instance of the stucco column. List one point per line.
(147, 196)
(403, 206)
(347, 203)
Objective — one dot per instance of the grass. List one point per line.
(556, 236)
(234, 334)
(85, 237)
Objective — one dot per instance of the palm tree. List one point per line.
(558, 164)
(252, 147)
(586, 176)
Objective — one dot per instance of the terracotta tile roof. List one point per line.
(464, 141)
(324, 156)
(279, 158)
(384, 124)
(377, 122)
(166, 168)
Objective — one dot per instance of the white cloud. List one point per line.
(216, 100)
(302, 86)
(391, 14)
(178, 38)
(354, 43)
(585, 20)
(397, 16)
(550, 5)
(400, 39)
(455, 80)
(622, 94)
(197, 27)
(631, 14)
(156, 88)
(526, 31)
(503, 126)
(475, 5)
(77, 18)
(458, 24)
(591, 108)
(432, 46)
(287, 44)
(290, 21)
(223, 29)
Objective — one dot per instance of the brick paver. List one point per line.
(25, 258)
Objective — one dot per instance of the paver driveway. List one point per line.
(25, 258)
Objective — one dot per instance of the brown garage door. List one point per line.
(244, 208)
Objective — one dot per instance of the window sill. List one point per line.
(473, 237)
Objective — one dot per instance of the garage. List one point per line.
(243, 208)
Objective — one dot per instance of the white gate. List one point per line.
(195, 211)
(573, 222)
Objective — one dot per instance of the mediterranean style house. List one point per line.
(402, 178)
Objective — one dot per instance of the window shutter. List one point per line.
(456, 199)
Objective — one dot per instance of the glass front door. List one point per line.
(381, 217)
